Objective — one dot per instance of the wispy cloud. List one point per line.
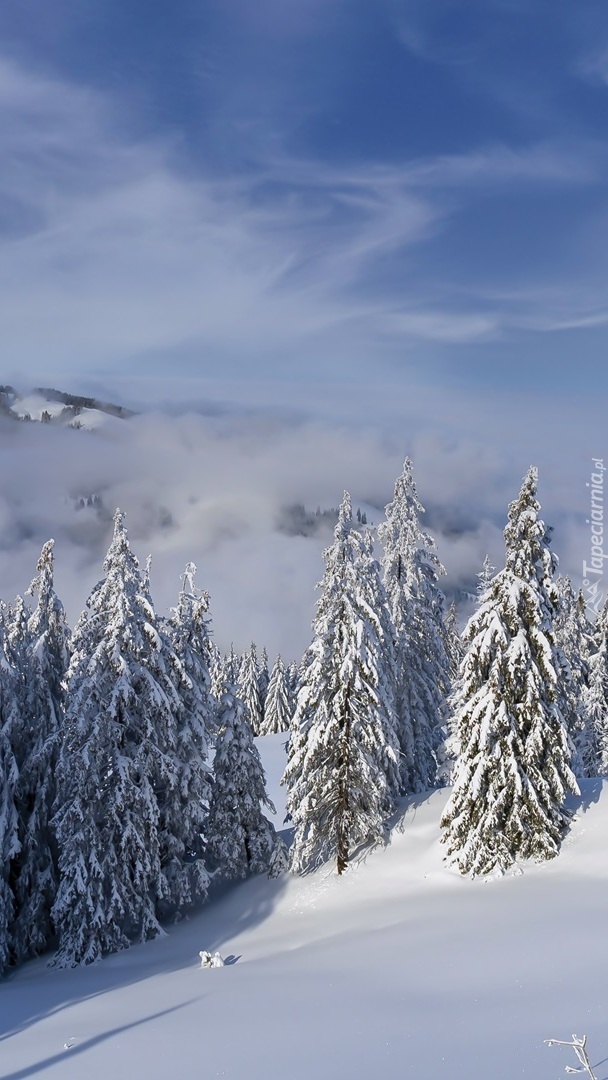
(112, 251)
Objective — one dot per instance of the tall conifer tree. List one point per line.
(241, 840)
(9, 817)
(453, 641)
(248, 688)
(596, 693)
(263, 681)
(277, 707)
(342, 772)
(117, 759)
(573, 634)
(185, 803)
(44, 642)
(421, 657)
(514, 767)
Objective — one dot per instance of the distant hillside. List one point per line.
(46, 405)
(296, 520)
(76, 401)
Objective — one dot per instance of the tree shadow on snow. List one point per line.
(591, 790)
(34, 992)
(88, 1044)
(409, 805)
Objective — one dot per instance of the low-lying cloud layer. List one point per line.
(211, 482)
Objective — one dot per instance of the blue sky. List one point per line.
(290, 190)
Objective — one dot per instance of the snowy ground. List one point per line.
(34, 405)
(400, 968)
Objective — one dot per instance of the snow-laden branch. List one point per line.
(579, 1045)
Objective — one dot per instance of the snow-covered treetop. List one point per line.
(192, 603)
(409, 557)
(48, 623)
(345, 517)
(526, 536)
(485, 576)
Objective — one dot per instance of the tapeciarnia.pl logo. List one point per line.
(593, 571)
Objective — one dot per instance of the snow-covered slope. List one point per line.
(400, 968)
(45, 405)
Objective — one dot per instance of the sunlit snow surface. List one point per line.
(401, 968)
(34, 405)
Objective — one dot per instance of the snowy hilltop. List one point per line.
(47, 406)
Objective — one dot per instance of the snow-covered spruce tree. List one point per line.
(263, 680)
(240, 839)
(514, 767)
(49, 629)
(485, 576)
(229, 672)
(342, 773)
(44, 646)
(596, 693)
(453, 640)
(573, 633)
(248, 688)
(116, 761)
(455, 650)
(216, 663)
(303, 666)
(14, 618)
(277, 708)
(449, 751)
(293, 681)
(222, 668)
(184, 805)
(422, 661)
(377, 642)
(9, 818)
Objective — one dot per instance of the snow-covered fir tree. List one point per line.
(596, 693)
(44, 643)
(277, 707)
(573, 636)
(485, 576)
(240, 839)
(222, 669)
(422, 661)
(263, 681)
(116, 762)
(342, 773)
(293, 682)
(302, 673)
(376, 642)
(456, 651)
(248, 688)
(184, 806)
(230, 670)
(49, 629)
(514, 766)
(9, 817)
(15, 619)
(216, 662)
(224, 672)
(453, 641)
